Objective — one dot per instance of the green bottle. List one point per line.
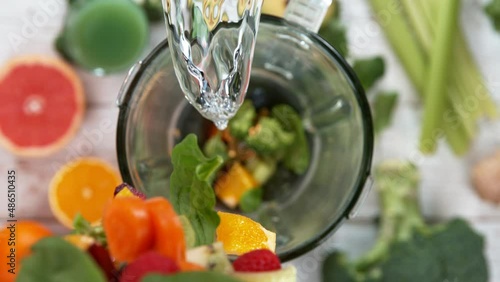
(104, 36)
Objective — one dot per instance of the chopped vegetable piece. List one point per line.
(231, 186)
(251, 200)
(297, 157)
(369, 70)
(267, 137)
(261, 169)
(243, 120)
(216, 147)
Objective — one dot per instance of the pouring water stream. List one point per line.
(212, 44)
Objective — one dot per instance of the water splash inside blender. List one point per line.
(212, 44)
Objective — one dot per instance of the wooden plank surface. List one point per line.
(446, 191)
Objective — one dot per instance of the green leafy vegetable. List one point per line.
(204, 276)
(191, 193)
(55, 260)
(493, 11)
(251, 200)
(268, 138)
(83, 227)
(152, 8)
(298, 156)
(369, 70)
(334, 32)
(408, 249)
(216, 147)
(243, 120)
(383, 110)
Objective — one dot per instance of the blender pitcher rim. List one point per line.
(135, 74)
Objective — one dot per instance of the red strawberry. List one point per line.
(256, 261)
(150, 262)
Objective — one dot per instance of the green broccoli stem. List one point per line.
(397, 185)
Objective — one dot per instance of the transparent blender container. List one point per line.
(290, 65)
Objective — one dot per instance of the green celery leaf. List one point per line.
(298, 156)
(335, 33)
(251, 200)
(190, 191)
(204, 276)
(336, 268)
(369, 70)
(56, 260)
(383, 110)
(460, 251)
(493, 11)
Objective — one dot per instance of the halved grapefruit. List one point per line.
(42, 105)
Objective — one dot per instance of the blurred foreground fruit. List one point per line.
(24, 234)
(257, 261)
(150, 262)
(240, 234)
(125, 190)
(82, 187)
(42, 105)
(128, 228)
(286, 274)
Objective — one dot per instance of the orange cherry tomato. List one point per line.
(168, 232)
(128, 228)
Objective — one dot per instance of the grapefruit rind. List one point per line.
(70, 74)
(55, 207)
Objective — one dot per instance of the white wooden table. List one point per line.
(445, 190)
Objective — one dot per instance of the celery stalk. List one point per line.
(400, 35)
(435, 97)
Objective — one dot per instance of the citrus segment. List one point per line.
(42, 105)
(24, 234)
(83, 187)
(231, 186)
(240, 234)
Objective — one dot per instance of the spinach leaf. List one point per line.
(190, 191)
(369, 70)
(383, 110)
(335, 33)
(55, 260)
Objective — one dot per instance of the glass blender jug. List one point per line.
(290, 65)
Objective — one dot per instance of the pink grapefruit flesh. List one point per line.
(42, 105)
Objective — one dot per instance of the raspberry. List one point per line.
(150, 262)
(257, 261)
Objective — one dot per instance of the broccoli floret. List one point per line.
(268, 138)
(243, 120)
(408, 249)
(493, 11)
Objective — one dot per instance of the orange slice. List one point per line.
(42, 105)
(82, 187)
(240, 234)
(231, 186)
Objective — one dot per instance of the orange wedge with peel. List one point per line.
(240, 234)
(83, 187)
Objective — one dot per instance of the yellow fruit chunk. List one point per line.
(239, 234)
(125, 193)
(82, 187)
(82, 242)
(231, 186)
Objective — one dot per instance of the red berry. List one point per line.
(256, 261)
(150, 262)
